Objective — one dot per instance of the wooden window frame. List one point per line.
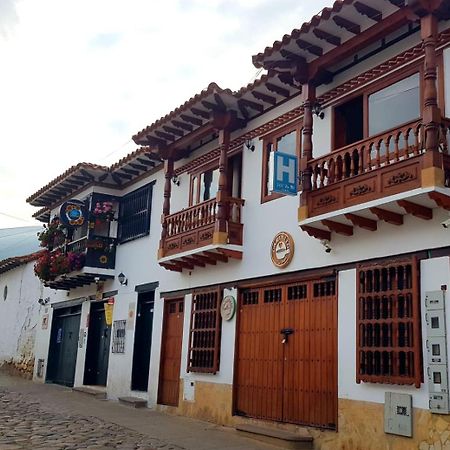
(213, 166)
(386, 81)
(371, 302)
(271, 138)
(213, 367)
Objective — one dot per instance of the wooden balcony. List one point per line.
(190, 239)
(379, 178)
(99, 256)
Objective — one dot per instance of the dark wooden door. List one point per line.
(172, 338)
(142, 341)
(64, 346)
(97, 349)
(287, 354)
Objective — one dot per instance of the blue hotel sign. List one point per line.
(285, 174)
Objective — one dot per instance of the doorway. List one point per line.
(142, 341)
(62, 355)
(172, 339)
(97, 349)
(286, 364)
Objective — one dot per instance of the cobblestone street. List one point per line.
(39, 416)
(24, 424)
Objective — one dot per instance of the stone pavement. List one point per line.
(37, 416)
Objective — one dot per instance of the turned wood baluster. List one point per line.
(332, 171)
(361, 160)
(387, 144)
(323, 172)
(416, 141)
(352, 164)
(377, 158)
(369, 158)
(396, 150)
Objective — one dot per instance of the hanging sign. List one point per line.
(285, 173)
(282, 249)
(109, 309)
(228, 307)
(72, 213)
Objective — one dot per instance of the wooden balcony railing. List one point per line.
(194, 227)
(78, 246)
(381, 165)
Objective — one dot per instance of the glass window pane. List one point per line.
(194, 190)
(209, 184)
(288, 143)
(394, 105)
(269, 168)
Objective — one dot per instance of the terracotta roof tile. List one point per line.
(16, 261)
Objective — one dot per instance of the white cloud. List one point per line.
(80, 78)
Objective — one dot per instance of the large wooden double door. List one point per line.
(286, 362)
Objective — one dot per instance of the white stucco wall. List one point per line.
(19, 314)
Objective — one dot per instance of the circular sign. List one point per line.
(228, 307)
(282, 249)
(72, 213)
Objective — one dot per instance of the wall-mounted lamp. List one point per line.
(250, 145)
(318, 110)
(123, 280)
(175, 180)
(44, 301)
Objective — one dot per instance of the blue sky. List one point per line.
(78, 79)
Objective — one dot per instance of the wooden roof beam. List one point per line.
(131, 172)
(253, 105)
(264, 97)
(173, 131)
(116, 178)
(362, 222)
(173, 267)
(200, 113)
(325, 36)
(139, 167)
(310, 48)
(442, 200)
(388, 216)
(182, 125)
(146, 162)
(193, 120)
(368, 11)
(278, 89)
(317, 233)
(194, 262)
(123, 175)
(348, 25)
(339, 228)
(422, 212)
(216, 256)
(156, 142)
(87, 175)
(165, 136)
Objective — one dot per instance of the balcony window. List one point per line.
(394, 105)
(134, 216)
(286, 140)
(205, 184)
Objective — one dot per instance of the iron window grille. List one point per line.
(119, 333)
(134, 216)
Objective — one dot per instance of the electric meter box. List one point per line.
(398, 414)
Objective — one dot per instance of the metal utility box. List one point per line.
(398, 414)
(436, 343)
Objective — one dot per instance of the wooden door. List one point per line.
(172, 338)
(287, 354)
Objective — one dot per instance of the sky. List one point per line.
(79, 78)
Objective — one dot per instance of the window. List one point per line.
(377, 111)
(204, 185)
(287, 140)
(204, 341)
(394, 105)
(388, 323)
(134, 216)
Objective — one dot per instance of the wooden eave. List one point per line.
(332, 35)
(43, 215)
(17, 261)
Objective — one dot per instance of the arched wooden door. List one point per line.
(286, 362)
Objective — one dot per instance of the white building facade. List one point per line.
(328, 295)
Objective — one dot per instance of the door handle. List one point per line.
(286, 332)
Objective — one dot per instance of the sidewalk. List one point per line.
(36, 407)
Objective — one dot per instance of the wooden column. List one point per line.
(309, 97)
(168, 174)
(221, 227)
(432, 173)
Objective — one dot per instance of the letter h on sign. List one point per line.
(285, 174)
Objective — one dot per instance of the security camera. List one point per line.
(326, 244)
(446, 223)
